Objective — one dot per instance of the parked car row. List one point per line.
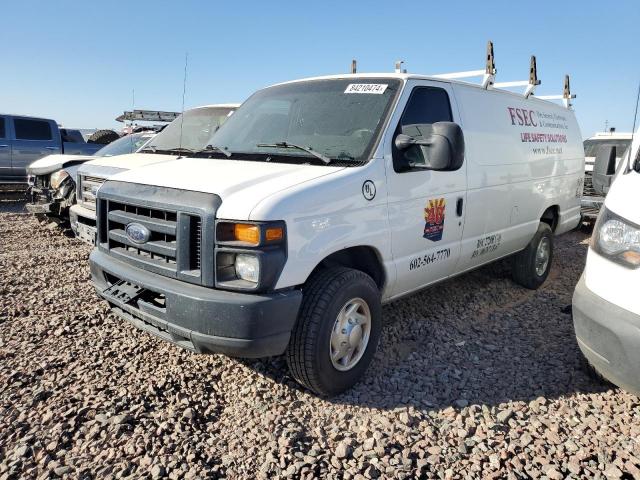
(284, 228)
(188, 133)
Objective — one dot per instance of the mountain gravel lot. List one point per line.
(474, 378)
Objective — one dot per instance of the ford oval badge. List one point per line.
(137, 233)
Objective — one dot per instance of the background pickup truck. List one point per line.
(26, 139)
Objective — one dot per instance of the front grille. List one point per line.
(169, 229)
(42, 181)
(588, 190)
(88, 188)
(181, 224)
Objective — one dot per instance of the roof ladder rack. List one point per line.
(354, 68)
(148, 116)
(566, 96)
(488, 74)
(531, 84)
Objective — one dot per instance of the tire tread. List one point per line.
(317, 295)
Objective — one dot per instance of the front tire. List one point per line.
(531, 266)
(337, 331)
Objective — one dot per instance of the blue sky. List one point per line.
(78, 61)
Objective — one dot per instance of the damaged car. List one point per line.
(52, 179)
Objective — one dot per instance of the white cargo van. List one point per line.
(606, 304)
(321, 199)
(188, 133)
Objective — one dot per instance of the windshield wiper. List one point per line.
(177, 150)
(309, 150)
(215, 148)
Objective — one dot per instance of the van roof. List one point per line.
(611, 136)
(413, 76)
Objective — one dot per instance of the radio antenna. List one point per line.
(633, 132)
(184, 91)
(133, 108)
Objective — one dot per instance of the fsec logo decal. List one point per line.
(434, 219)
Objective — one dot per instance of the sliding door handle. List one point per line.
(459, 205)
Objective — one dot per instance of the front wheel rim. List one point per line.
(350, 334)
(543, 253)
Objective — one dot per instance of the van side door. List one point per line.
(426, 207)
(34, 138)
(5, 148)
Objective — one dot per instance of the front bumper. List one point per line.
(198, 318)
(609, 337)
(43, 208)
(44, 201)
(590, 207)
(83, 223)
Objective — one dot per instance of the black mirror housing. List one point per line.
(442, 146)
(604, 169)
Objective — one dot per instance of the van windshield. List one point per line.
(128, 144)
(190, 131)
(337, 119)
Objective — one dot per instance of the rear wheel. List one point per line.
(337, 331)
(531, 266)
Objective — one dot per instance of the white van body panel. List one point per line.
(613, 282)
(523, 156)
(240, 184)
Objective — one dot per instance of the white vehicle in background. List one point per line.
(606, 301)
(321, 199)
(52, 180)
(591, 199)
(188, 133)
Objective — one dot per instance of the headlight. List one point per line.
(247, 267)
(57, 178)
(249, 255)
(617, 239)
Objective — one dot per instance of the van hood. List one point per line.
(622, 198)
(131, 160)
(52, 163)
(240, 184)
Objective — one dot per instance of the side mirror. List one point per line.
(604, 169)
(441, 145)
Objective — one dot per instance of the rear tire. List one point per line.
(340, 308)
(531, 266)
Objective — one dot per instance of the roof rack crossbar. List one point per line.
(488, 74)
(566, 96)
(531, 84)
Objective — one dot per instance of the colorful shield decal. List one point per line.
(434, 219)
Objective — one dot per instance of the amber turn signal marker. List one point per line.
(247, 233)
(274, 234)
(632, 257)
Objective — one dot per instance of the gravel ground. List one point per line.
(475, 378)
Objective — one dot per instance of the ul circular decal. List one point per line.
(369, 190)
